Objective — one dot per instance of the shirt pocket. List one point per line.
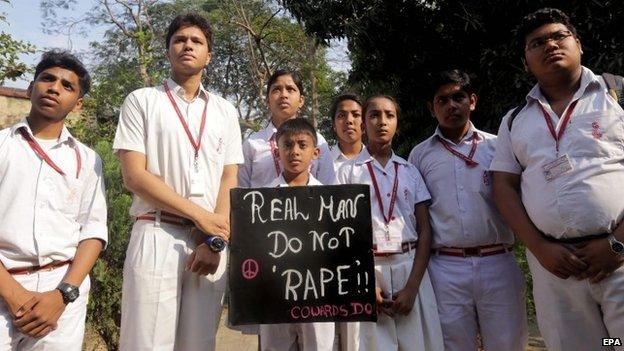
(479, 180)
(69, 197)
(596, 134)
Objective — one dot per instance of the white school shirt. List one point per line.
(339, 158)
(149, 124)
(259, 167)
(462, 211)
(411, 191)
(281, 182)
(43, 214)
(587, 200)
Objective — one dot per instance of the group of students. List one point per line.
(442, 220)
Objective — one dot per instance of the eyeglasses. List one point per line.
(539, 43)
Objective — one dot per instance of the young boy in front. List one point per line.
(477, 283)
(297, 148)
(52, 215)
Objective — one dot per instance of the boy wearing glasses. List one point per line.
(558, 174)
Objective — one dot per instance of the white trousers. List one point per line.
(71, 325)
(163, 306)
(418, 331)
(480, 294)
(575, 315)
(297, 337)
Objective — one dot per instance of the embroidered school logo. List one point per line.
(486, 178)
(596, 132)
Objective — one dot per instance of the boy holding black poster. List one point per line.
(408, 318)
(297, 147)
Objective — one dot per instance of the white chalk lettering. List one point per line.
(347, 231)
(340, 280)
(324, 279)
(293, 245)
(286, 210)
(346, 208)
(290, 287)
(255, 207)
(309, 285)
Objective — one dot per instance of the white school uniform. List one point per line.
(586, 200)
(43, 217)
(339, 158)
(261, 166)
(296, 336)
(163, 306)
(474, 294)
(420, 329)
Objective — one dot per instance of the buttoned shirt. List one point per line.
(339, 158)
(411, 190)
(281, 182)
(589, 198)
(45, 215)
(462, 211)
(148, 123)
(260, 163)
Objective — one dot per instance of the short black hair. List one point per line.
(64, 59)
(343, 97)
(381, 96)
(454, 76)
(283, 72)
(190, 20)
(539, 18)
(296, 126)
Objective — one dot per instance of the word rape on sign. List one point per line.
(301, 254)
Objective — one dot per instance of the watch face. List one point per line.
(217, 244)
(617, 247)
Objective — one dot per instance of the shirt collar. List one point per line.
(365, 157)
(65, 136)
(337, 154)
(269, 130)
(468, 136)
(588, 80)
(179, 91)
(281, 182)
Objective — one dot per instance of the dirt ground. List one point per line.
(228, 340)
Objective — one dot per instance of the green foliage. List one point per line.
(10, 65)
(394, 45)
(104, 309)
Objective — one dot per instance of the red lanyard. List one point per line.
(468, 159)
(42, 154)
(196, 145)
(564, 123)
(275, 155)
(393, 197)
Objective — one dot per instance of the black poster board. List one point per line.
(301, 254)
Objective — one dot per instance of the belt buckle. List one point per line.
(472, 251)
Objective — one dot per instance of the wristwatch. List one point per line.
(215, 243)
(69, 292)
(616, 246)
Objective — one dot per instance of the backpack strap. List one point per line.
(615, 87)
(515, 113)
